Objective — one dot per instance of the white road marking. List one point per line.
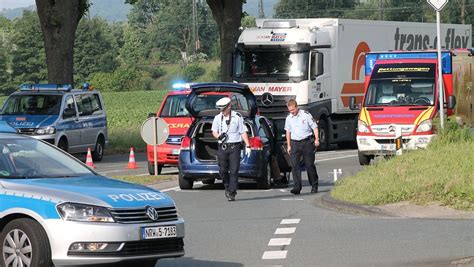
(273, 255)
(110, 171)
(335, 152)
(170, 189)
(143, 174)
(283, 190)
(279, 242)
(290, 221)
(286, 199)
(285, 231)
(319, 160)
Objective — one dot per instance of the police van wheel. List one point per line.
(184, 183)
(98, 153)
(63, 144)
(364, 159)
(25, 243)
(151, 168)
(265, 181)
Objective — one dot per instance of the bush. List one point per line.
(193, 72)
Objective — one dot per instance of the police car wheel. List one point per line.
(98, 153)
(63, 144)
(24, 243)
(184, 183)
(265, 181)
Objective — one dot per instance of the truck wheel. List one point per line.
(323, 134)
(364, 159)
(151, 168)
(183, 182)
(265, 181)
(98, 152)
(209, 181)
(24, 243)
(63, 144)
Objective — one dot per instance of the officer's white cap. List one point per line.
(222, 103)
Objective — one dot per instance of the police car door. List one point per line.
(69, 126)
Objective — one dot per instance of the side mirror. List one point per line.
(451, 101)
(69, 112)
(352, 103)
(151, 115)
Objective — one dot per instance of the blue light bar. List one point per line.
(181, 86)
(45, 87)
(371, 58)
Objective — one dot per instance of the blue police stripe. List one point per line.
(44, 206)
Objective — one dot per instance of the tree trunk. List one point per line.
(59, 20)
(227, 14)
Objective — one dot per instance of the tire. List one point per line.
(63, 144)
(34, 237)
(151, 168)
(209, 181)
(265, 181)
(323, 134)
(184, 183)
(364, 159)
(98, 152)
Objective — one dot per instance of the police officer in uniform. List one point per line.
(300, 126)
(228, 127)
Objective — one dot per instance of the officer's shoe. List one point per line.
(295, 191)
(227, 194)
(314, 189)
(231, 196)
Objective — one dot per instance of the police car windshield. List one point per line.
(175, 106)
(24, 104)
(28, 158)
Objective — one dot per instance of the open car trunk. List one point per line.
(205, 143)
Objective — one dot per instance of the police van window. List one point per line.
(175, 106)
(32, 105)
(84, 104)
(96, 105)
(25, 158)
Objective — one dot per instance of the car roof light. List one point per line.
(371, 58)
(180, 86)
(46, 87)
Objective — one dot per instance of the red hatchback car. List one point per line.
(174, 112)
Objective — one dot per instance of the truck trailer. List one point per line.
(320, 63)
(402, 95)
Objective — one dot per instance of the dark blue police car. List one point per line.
(198, 155)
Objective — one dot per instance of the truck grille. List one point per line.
(139, 215)
(277, 110)
(384, 129)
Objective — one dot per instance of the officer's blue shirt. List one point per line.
(301, 125)
(235, 128)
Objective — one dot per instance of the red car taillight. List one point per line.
(256, 143)
(186, 143)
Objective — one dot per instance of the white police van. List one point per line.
(55, 210)
(72, 119)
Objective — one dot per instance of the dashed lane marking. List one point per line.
(279, 242)
(274, 255)
(285, 231)
(290, 221)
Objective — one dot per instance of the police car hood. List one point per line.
(93, 190)
(29, 121)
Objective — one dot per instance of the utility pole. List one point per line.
(261, 13)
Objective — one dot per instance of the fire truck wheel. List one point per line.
(151, 168)
(364, 159)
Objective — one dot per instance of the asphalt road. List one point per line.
(275, 228)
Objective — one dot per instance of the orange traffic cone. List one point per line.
(131, 160)
(89, 161)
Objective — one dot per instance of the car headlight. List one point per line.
(425, 126)
(362, 127)
(46, 130)
(84, 213)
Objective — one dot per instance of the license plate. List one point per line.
(158, 232)
(388, 147)
(175, 151)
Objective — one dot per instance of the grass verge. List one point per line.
(442, 173)
(145, 180)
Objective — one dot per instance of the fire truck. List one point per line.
(320, 62)
(402, 92)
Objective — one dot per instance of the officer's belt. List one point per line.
(302, 140)
(233, 143)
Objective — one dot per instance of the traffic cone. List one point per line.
(89, 161)
(131, 160)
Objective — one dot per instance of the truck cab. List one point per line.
(401, 95)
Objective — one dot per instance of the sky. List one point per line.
(10, 4)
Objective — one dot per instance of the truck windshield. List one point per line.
(32, 105)
(28, 158)
(402, 85)
(271, 63)
(175, 106)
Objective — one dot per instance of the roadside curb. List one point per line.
(327, 201)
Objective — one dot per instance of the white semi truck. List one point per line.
(320, 63)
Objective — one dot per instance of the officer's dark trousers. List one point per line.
(306, 149)
(229, 163)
